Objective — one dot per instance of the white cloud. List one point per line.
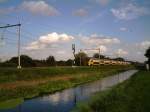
(80, 12)
(100, 40)
(103, 48)
(139, 53)
(129, 12)
(55, 37)
(49, 39)
(143, 45)
(61, 52)
(121, 52)
(39, 7)
(123, 29)
(35, 46)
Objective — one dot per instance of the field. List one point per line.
(132, 95)
(32, 82)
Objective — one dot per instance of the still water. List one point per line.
(65, 100)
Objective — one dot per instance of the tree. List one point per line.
(119, 59)
(61, 63)
(69, 62)
(147, 54)
(40, 63)
(26, 61)
(96, 55)
(50, 61)
(83, 57)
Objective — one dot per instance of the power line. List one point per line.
(23, 35)
(8, 25)
(14, 25)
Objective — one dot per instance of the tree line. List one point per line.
(81, 58)
(27, 61)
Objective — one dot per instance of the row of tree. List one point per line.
(26, 61)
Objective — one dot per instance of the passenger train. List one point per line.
(95, 62)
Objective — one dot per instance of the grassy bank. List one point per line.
(31, 82)
(132, 95)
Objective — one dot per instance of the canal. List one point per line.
(65, 101)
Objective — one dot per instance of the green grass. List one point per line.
(132, 95)
(25, 86)
(13, 74)
(10, 103)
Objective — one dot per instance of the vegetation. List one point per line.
(32, 82)
(50, 61)
(147, 54)
(81, 59)
(10, 103)
(96, 55)
(119, 59)
(27, 61)
(130, 96)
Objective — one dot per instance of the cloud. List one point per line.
(39, 7)
(95, 39)
(143, 45)
(129, 12)
(49, 40)
(121, 52)
(80, 12)
(123, 29)
(102, 48)
(61, 52)
(35, 7)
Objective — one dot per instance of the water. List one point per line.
(65, 100)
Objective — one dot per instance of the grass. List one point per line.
(32, 82)
(10, 103)
(132, 95)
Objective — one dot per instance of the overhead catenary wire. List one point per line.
(18, 30)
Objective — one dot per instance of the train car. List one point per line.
(93, 62)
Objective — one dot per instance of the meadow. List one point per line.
(130, 96)
(28, 83)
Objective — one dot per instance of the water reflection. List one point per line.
(65, 100)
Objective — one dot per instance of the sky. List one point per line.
(120, 28)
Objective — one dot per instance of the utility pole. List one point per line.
(99, 55)
(74, 50)
(19, 25)
(19, 66)
(80, 58)
(99, 51)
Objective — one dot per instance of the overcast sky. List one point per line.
(49, 27)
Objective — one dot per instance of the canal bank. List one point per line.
(66, 100)
(33, 82)
(129, 96)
